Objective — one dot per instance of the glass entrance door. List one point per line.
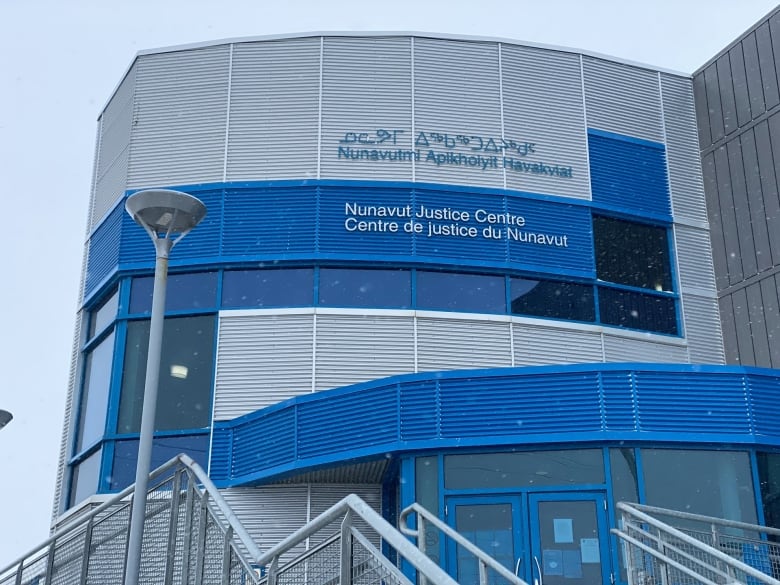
(491, 523)
(569, 539)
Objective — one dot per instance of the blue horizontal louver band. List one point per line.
(104, 249)
(509, 406)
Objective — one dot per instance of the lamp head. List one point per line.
(165, 213)
(5, 418)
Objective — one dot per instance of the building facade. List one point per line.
(470, 273)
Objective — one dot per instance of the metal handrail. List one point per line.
(698, 517)
(123, 498)
(485, 559)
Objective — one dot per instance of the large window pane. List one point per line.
(632, 253)
(713, 483)
(163, 449)
(94, 396)
(637, 311)
(541, 468)
(346, 287)
(282, 287)
(85, 478)
(183, 292)
(769, 480)
(426, 476)
(554, 300)
(186, 370)
(103, 315)
(447, 291)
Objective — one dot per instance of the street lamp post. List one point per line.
(167, 216)
(5, 418)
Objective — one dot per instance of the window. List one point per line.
(183, 292)
(85, 478)
(163, 449)
(553, 300)
(186, 370)
(103, 315)
(273, 287)
(349, 287)
(637, 311)
(95, 392)
(769, 480)
(448, 291)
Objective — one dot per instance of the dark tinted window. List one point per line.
(632, 253)
(186, 370)
(85, 478)
(769, 480)
(637, 310)
(163, 449)
(448, 291)
(554, 300)
(94, 396)
(293, 287)
(183, 292)
(346, 287)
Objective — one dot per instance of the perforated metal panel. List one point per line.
(456, 97)
(355, 348)
(694, 256)
(179, 117)
(703, 329)
(449, 344)
(543, 105)
(538, 345)
(626, 349)
(682, 152)
(261, 359)
(274, 110)
(623, 99)
(367, 108)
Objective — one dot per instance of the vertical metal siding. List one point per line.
(741, 202)
(711, 86)
(261, 360)
(739, 82)
(179, 120)
(716, 226)
(538, 345)
(366, 87)
(702, 111)
(694, 259)
(768, 180)
(729, 328)
(767, 66)
(456, 93)
(626, 349)
(274, 102)
(758, 330)
(727, 100)
(764, 242)
(703, 329)
(742, 327)
(623, 99)
(753, 72)
(357, 348)
(731, 240)
(451, 344)
(543, 104)
(682, 152)
(771, 303)
(116, 123)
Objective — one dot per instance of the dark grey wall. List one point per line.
(738, 114)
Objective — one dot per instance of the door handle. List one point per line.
(539, 570)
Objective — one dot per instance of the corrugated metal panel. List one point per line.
(363, 472)
(715, 113)
(758, 328)
(771, 303)
(717, 237)
(626, 349)
(536, 346)
(682, 151)
(357, 348)
(762, 397)
(116, 125)
(531, 404)
(703, 329)
(694, 259)
(620, 409)
(543, 105)
(676, 402)
(104, 248)
(260, 361)
(456, 97)
(623, 99)
(264, 445)
(628, 174)
(421, 398)
(450, 344)
(742, 327)
(274, 109)
(367, 108)
(270, 513)
(179, 117)
(754, 82)
(323, 496)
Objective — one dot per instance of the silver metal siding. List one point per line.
(703, 329)
(355, 348)
(694, 259)
(456, 92)
(539, 345)
(682, 151)
(453, 344)
(111, 163)
(274, 101)
(179, 119)
(323, 496)
(261, 360)
(366, 86)
(543, 104)
(626, 349)
(623, 99)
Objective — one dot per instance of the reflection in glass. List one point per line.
(163, 449)
(85, 478)
(553, 300)
(103, 315)
(272, 287)
(637, 310)
(351, 287)
(186, 370)
(184, 291)
(447, 291)
(489, 526)
(94, 396)
(426, 474)
(769, 480)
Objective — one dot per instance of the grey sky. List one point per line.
(59, 63)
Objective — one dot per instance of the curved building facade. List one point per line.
(470, 273)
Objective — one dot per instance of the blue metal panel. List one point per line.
(268, 442)
(221, 453)
(419, 404)
(628, 174)
(764, 403)
(104, 250)
(618, 399)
